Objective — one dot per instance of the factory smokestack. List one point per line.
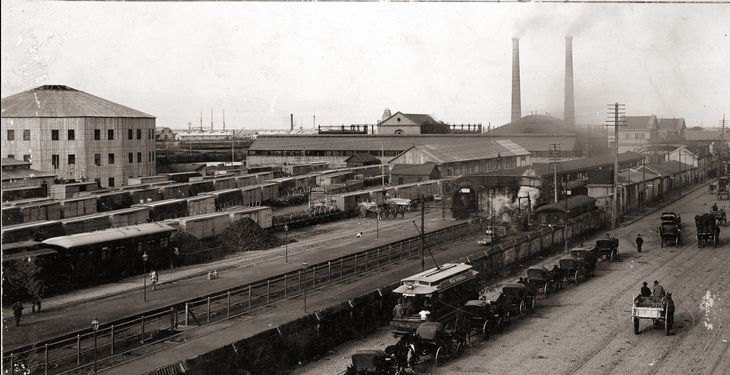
(291, 122)
(516, 102)
(569, 114)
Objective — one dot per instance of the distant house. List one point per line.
(408, 173)
(672, 130)
(164, 135)
(361, 159)
(636, 134)
(410, 124)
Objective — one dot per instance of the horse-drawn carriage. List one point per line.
(433, 340)
(607, 248)
(516, 299)
(373, 362)
(723, 190)
(719, 214)
(484, 316)
(588, 256)
(708, 230)
(542, 280)
(670, 233)
(573, 268)
(659, 309)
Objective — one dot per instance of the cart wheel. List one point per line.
(485, 331)
(636, 326)
(661, 243)
(438, 358)
(532, 305)
(547, 290)
(612, 257)
(500, 323)
(576, 276)
(523, 309)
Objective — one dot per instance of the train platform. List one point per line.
(70, 312)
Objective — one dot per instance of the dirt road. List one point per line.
(587, 329)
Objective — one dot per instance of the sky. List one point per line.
(347, 62)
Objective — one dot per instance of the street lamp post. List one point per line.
(304, 280)
(95, 326)
(286, 244)
(144, 274)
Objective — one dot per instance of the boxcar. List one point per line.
(181, 176)
(40, 211)
(87, 223)
(78, 207)
(65, 191)
(24, 192)
(175, 191)
(146, 180)
(128, 216)
(113, 201)
(200, 205)
(261, 215)
(205, 226)
(35, 231)
(251, 195)
(11, 215)
(201, 187)
(226, 198)
(224, 183)
(166, 209)
(245, 180)
(262, 177)
(145, 195)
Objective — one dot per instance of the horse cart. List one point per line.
(373, 362)
(517, 299)
(573, 269)
(607, 248)
(659, 309)
(719, 214)
(432, 340)
(484, 316)
(670, 234)
(708, 230)
(723, 190)
(542, 280)
(588, 256)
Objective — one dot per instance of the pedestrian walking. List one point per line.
(153, 279)
(18, 312)
(639, 242)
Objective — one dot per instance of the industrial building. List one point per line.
(78, 136)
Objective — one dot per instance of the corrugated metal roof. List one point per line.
(424, 169)
(113, 234)
(63, 101)
(468, 150)
(534, 124)
(542, 143)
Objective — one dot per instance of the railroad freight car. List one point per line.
(350, 201)
(338, 177)
(78, 207)
(35, 231)
(304, 183)
(11, 215)
(554, 213)
(261, 215)
(226, 198)
(204, 226)
(40, 211)
(263, 177)
(246, 180)
(175, 191)
(224, 183)
(285, 185)
(166, 209)
(25, 192)
(88, 223)
(269, 191)
(146, 180)
(181, 176)
(251, 195)
(128, 216)
(113, 201)
(414, 190)
(65, 191)
(198, 187)
(201, 205)
(145, 195)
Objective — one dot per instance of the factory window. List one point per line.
(149, 156)
(55, 161)
(97, 159)
(111, 159)
(11, 156)
(71, 135)
(111, 181)
(26, 135)
(97, 134)
(11, 135)
(71, 159)
(130, 134)
(26, 158)
(139, 157)
(131, 157)
(54, 135)
(139, 133)
(110, 134)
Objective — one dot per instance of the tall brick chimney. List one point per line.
(516, 102)
(569, 112)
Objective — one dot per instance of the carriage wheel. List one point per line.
(523, 309)
(547, 290)
(636, 326)
(500, 323)
(485, 331)
(532, 305)
(715, 241)
(439, 357)
(576, 276)
(612, 256)
(699, 242)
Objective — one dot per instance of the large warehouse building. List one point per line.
(78, 136)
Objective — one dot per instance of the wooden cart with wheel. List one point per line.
(573, 269)
(542, 280)
(485, 317)
(654, 308)
(434, 341)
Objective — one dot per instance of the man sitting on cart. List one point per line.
(645, 291)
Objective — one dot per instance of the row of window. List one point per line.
(56, 159)
(320, 153)
(71, 134)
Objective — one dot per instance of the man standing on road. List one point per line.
(398, 310)
(658, 289)
(639, 242)
(153, 279)
(18, 312)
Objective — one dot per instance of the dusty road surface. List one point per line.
(587, 329)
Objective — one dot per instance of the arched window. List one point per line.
(398, 131)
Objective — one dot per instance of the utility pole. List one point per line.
(719, 149)
(614, 111)
(643, 183)
(554, 150)
(423, 233)
(382, 171)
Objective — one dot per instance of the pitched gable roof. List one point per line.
(63, 101)
(417, 118)
(424, 169)
(640, 122)
(672, 124)
(363, 157)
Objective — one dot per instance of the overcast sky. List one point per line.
(347, 62)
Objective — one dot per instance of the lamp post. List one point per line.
(144, 274)
(286, 244)
(304, 271)
(95, 326)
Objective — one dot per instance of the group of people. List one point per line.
(18, 308)
(400, 311)
(658, 290)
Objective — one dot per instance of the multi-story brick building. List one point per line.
(78, 136)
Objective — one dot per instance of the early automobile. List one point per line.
(373, 362)
(434, 341)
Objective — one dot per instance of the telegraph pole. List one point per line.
(719, 149)
(423, 233)
(614, 111)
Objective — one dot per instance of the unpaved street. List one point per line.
(587, 329)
